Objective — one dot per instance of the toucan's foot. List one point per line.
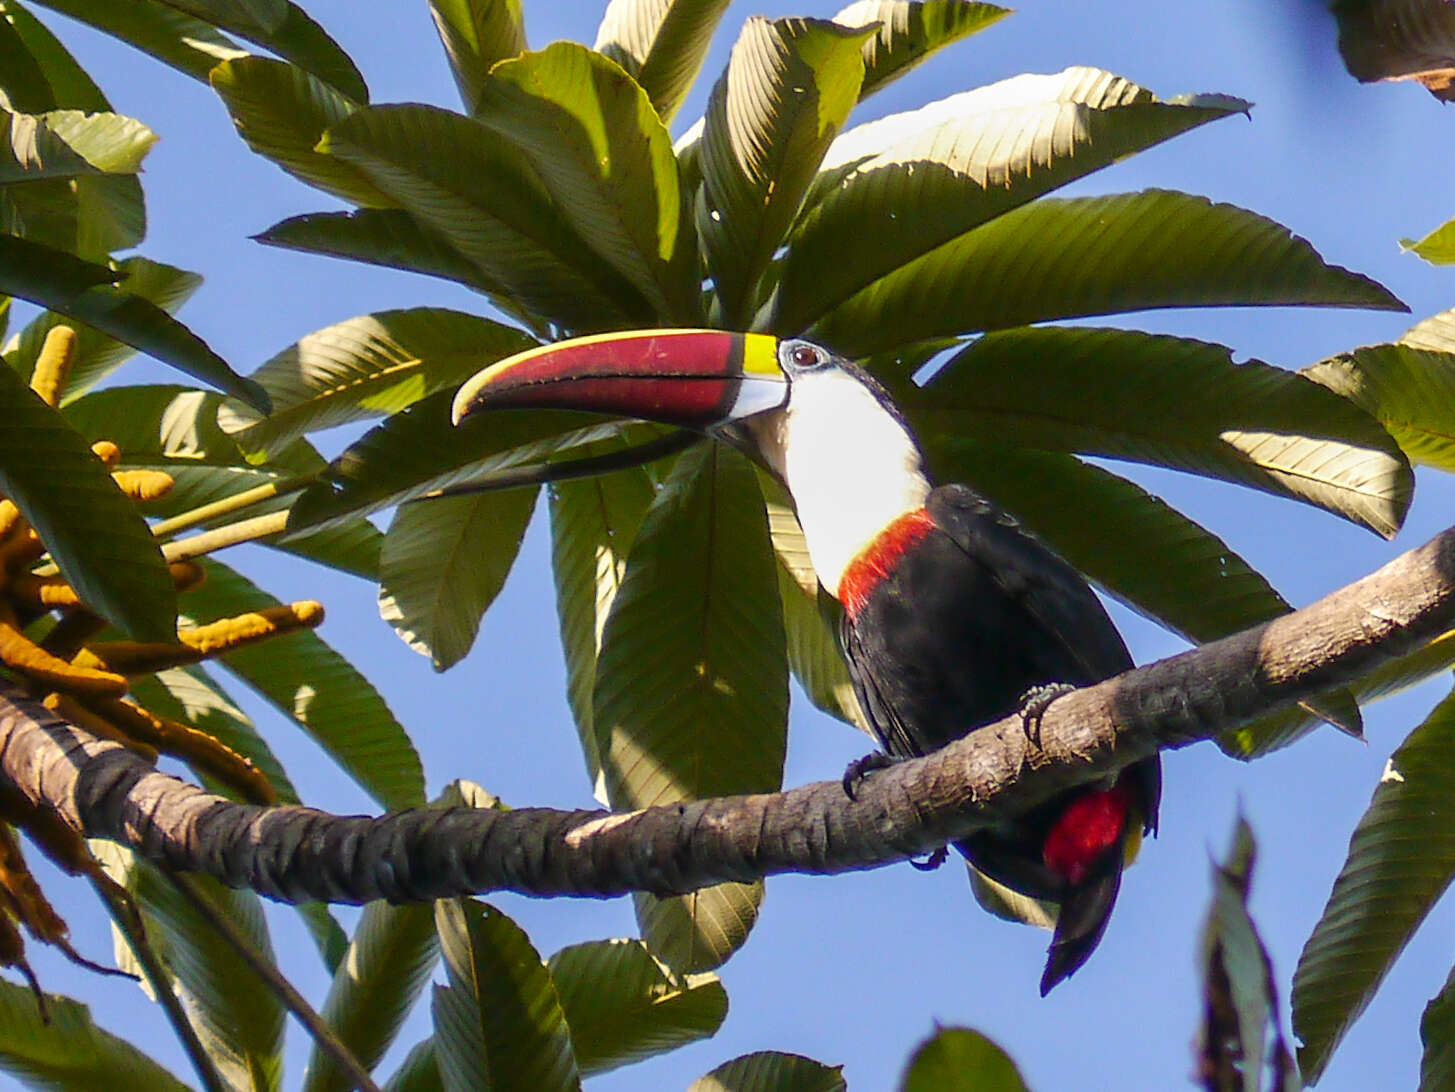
(933, 861)
(1034, 703)
(861, 768)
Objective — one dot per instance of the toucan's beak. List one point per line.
(694, 379)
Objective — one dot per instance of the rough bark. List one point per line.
(298, 854)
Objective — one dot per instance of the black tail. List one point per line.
(1083, 918)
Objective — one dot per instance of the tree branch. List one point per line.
(299, 854)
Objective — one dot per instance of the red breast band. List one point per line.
(877, 560)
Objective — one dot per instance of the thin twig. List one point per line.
(247, 530)
(235, 503)
(264, 968)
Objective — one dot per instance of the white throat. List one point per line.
(850, 465)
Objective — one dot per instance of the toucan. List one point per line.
(954, 616)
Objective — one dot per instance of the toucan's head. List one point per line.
(827, 429)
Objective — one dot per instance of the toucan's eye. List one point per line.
(805, 356)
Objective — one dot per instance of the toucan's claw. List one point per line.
(933, 861)
(861, 768)
(1034, 703)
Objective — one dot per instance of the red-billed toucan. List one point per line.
(952, 614)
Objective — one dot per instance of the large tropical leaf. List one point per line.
(237, 1018)
(285, 29)
(500, 985)
(366, 367)
(593, 525)
(960, 1060)
(317, 688)
(444, 562)
(389, 237)
(65, 1051)
(1067, 257)
(788, 87)
(84, 291)
(911, 30)
(1401, 860)
(93, 531)
(476, 34)
(622, 1005)
(1172, 402)
(1411, 391)
(67, 143)
(605, 157)
(386, 967)
(703, 713)
(909, 182)
(419, 1072)
(281, 112)
(416, 451)
(474, 189)
(1437, 1032)
(172, 37)
(26, 86)
(1130, 542)
(771, 1071)
(97, 355)
(660, 43)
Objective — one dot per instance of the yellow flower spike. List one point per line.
(83, 717)
(200, 642)
(144, 485)
(107, 452)
(43, 592)
(134, 722)
(23, 655)
(10, 520)
(53, 365)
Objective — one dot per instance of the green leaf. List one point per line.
(1410, 391)
(284, 29)
(810, 614)
(661, 44)
(1280, 729)
(1062, 258)
(622, 1005)
(26, 87)
(771, 1071)
(1437, 1033)
(911, 30)
(192, 696)
(388, 237)
(387, 965)
(788, 87)
(68, 85)
(1401, 859)
(93, 531)
(68, 1052)
(66, 143)
(81, 290)
(1141, 550)
(1170, 402)
(960, 1060)
(417, 450)
(594, 140)
(897, 188)
(704, 713)
(419, 1071)
(500, 985)
(594, 522)
(367, 367)
(237, 1017)
(317, 688)
(475, 190)
(98, 355)
(476, 34)
(187, 44)
(444, 562)
(1239, 1002)
(281, 112)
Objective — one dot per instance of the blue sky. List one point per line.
(857, 969)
